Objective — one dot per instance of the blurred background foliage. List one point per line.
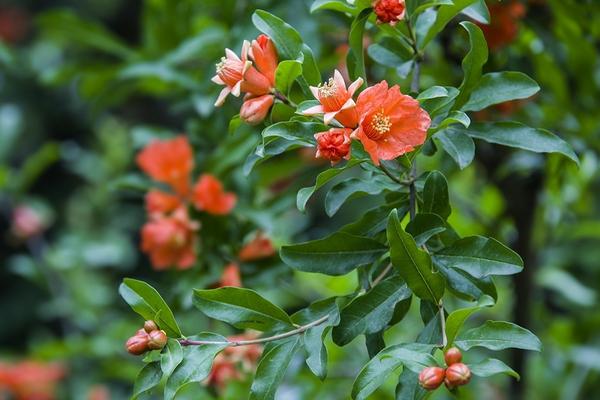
(85, 84)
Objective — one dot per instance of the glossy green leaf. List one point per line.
(336, 254)
(498, 335)
(429, 4)
(310, 68)
(491, 367)
(371, 312)
(480, 256)
(457, 318)
(287, 40)
(196, 364)
(356, 57)
(375, 220)
(413, 264)
(465, 286)
(457, 144)
(148, 378)
(473, 63)
(408, 387)
(271, 369)
(424, 226)
(242, 308)
(498, 87)
(478, 12)
(435, 195)
(305, 194)
(286, 73)
(515, 134)
(350, 189)
(292, 130)
(455, 117)
(335, 5)
(147, 302)
(433, 92)
(444, 15)
(413, 356)
(171, 356)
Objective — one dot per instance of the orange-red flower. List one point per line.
(31, 380)
(27, 222)
(264, 54)
(209, 196)
(334, 144)
(234, 360)
(168, 161)
(504, 24)
(336, 101)
(158, 202)
(238, 75)
(14, 24)
(169, 240)
(255, 109)
(231, 276)
(258, 248)
(389, 11)
(391, 123)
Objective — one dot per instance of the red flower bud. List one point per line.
(138, 344)
(389, 11)
(158, 340)
(457, 375)
(255, 109)
(333, 144)
(431, 378)
(150, 326)
(453, 356)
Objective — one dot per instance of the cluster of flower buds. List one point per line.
(146, 339)
(386, 122)
(252, 73)
(389, 11)
(456, 374)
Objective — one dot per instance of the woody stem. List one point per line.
(283, 98)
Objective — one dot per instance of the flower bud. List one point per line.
(389, 11)
(158, 340)
(453, 356)
(457, 375)
(150, 326)
(333, 144)
(255, 109)
(431, 378)
(138, 344)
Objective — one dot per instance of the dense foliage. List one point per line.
(391, 186)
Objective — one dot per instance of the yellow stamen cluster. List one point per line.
(221, 64)
(381, 123)
(328, 88)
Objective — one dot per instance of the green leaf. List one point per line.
(514, 134)
(498, 87)
(242, 308)
(356, 56)
(349, 189)
(424, 226)
(285, 75)
(457, 144)
(466, 286)
(291, 130)
(498, 335)
(375, 220)
(196, 364)
(148, 378)
(457, 318)
(335, 5)
(429, 4)
(478, 11)
(435, 195)
(444, 15)
(473, 63)
(305, 194)
(414, 356)
(371, 312)
(287, 40)
(171, 356)
(492, 366)
(480, 256)
(271, 369)
(408, 387)
(455, 117)
(310, 68)
(336, 254)
(413, 264)
(433, 92)
(146, 301)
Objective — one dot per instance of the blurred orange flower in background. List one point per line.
(504, 25)
(30, 380)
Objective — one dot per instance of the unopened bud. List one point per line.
(453, 356)
(138, 344)
(150, 326)
(457, 375)
(254, 110)
(431, 378)
(158, 340)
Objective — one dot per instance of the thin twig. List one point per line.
(390, 175)
(382, 275)
(236, 343)
(284, 99)
(412, 195)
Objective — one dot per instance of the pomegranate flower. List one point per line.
(169, 240)
(336, 101)
(231, 276)
(168, 161)
(258, 248)
(158, 203)
(255, 109)
(334, 144)
(391, 123)
(238, 75)
(209, 196)
(262, 51)
(389, 11)
(27, 222)
(28, 380)
(504, 26)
